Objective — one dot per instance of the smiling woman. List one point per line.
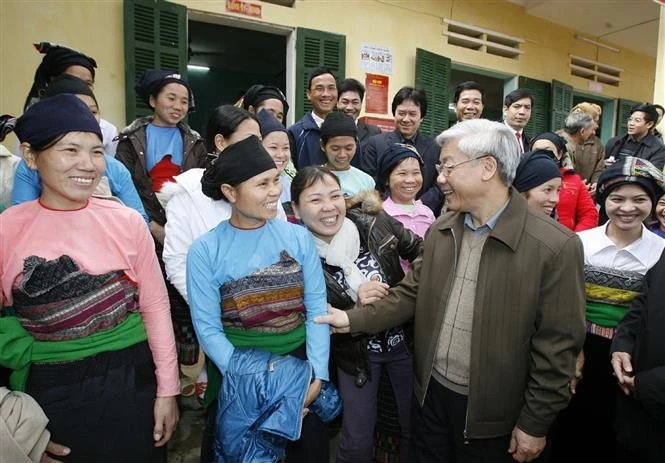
(90, 336)
(360, 250)
(254, 286)
(617, 255)
(155, 149)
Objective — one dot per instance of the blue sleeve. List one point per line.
(122, 186)
(204, 304)
(317, 336)
(27, 184)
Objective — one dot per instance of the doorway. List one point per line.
(607, 118)
(224, 61)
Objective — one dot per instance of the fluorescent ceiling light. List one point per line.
(194, 67)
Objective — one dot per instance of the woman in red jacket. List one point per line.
(576, 210)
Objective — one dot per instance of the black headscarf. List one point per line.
(258, 93)
(60, 114)
(153, 80)
(534, 169)
(57, 59)
(68, 84)
(237, 163)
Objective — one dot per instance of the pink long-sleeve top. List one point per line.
(101, 237)
(418, 220)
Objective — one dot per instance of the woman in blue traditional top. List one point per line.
(254, 282)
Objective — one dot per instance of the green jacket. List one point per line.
(528, 324)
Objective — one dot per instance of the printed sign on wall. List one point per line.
(374, 58)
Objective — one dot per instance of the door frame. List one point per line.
(270, 28)
(609, 115)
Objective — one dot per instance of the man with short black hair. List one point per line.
(469, 98)
(639, 141)
(517, 108)
(305, 134)
(351, 93)
(409, 108)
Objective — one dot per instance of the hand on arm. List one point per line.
(337, 319)
(372, 291)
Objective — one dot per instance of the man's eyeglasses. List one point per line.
(446, 169)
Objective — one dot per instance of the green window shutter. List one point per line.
(623, 113)
(562, 103)
(155, 38)
(314, 49)
(540, 113)
(433, 76)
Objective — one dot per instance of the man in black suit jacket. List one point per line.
(516, 114)
(350, 102)
(409, 108)
(365, 131)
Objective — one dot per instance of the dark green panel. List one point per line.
(433, 76)
(155, 38)
(562, 103)
(313, 49)
(540, 113)
(623, 113)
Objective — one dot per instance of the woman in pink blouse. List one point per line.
(399, 179)
(86, 327)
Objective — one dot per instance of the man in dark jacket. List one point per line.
(409, 108)
(305, 135)
(498, 301)
(350, 102)
(517, 108)
(639, 141)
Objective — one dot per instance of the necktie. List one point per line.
(519, 142)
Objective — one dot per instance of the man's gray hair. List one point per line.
(481, 137)
(576, 121)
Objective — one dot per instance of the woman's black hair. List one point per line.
(46, 144)
(382, 187)
(224, 120)
(308, 176)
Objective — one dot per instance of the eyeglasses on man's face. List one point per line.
(446, 169)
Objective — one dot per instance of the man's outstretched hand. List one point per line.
(337, 319)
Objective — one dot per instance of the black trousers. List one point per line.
(313, 445)
(585, 430)
(101, 407)
(438, 432)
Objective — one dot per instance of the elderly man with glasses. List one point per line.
(498, 304)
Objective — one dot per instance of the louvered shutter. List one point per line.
(155, 38)
(562, 103)
(540, 113)
(314, 49)
(433, 76)
(623, 113)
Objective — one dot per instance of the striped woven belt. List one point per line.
(598, 330)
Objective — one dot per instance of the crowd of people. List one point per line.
(484, 295)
